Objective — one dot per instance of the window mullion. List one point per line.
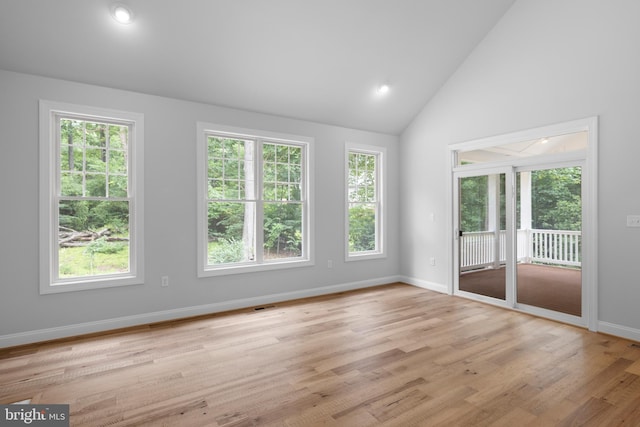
(303, 178)
(107, 155)
(258, 197)
(131, 178)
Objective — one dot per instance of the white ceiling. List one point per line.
(317, 60)
(552, 144)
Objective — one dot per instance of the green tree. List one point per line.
(93, 159)
(362, 228)
(556, 199)
(232, 194)
(362, 194)
(474, 197)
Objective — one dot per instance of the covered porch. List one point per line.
(548, 269)
(548, 262)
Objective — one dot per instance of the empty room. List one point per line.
(303, 212)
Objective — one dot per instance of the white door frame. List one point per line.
(585, 158)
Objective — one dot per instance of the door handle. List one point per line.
(457, 233)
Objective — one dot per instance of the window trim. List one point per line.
(204, 129)
(49, 163)
(381, 189)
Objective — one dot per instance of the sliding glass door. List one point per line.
(482, 238)
(519, 237)
(549, 238)
(524, 221)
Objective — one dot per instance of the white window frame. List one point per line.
(49, 145)
(381, 215)
(259, 264)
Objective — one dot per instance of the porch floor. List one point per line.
(553, 288)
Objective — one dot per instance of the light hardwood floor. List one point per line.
(393, 355)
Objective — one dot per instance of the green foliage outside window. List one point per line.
(362, 195)
(474, 207)
(282, 230)
(93, 209)
(362, 228)
(556, 200)
(233, 197)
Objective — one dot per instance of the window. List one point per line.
(90, 197)
(364, 198)
(254, 211)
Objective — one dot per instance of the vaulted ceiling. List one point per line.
(317, 60)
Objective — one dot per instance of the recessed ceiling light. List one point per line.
(122, 14)
(544, 140)
(382, 89)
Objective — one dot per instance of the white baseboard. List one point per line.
(40, 335)
(619, 331)
(432, 286)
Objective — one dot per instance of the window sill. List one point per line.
(93, 283)
(245, 268)
(365, 256)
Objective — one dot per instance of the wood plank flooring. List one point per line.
(394, 355)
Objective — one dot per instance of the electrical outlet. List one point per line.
(164, 281)
(330, 264)
(432, 260)
(633, 220)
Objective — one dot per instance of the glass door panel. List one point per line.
(548, 241)
(482, 236)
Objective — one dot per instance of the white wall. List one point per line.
(170, 214)
(546, 61)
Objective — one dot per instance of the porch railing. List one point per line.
(557, 247)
